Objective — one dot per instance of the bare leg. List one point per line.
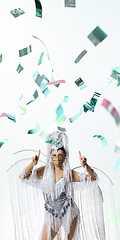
(72, 229)
(44, 233)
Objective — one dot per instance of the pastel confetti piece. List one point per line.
(104, 141)
(81, 55)
(70, 3)
(3, 115)
(66, 98)
(19, 68)
(115, 218)
(60, 113)
(97, 36)
(38, 8)
(0, 58)
(60, 122)
(79, 82)
(112, 110)
(44, 77)
(17, 12)
(2, 142)
(22, 108)
(36, 130)
(43, 44)
(53, 80)
(41, 58)
(25, 51)
(56, 82)
(11, 117)
(35, 94)
(117, 164)
(117, 147)
(61, 129)
(91, 106)
(41, 83)
(73, 119)
(54, 143)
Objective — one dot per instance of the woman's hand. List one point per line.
(36, 158)
(83, 160)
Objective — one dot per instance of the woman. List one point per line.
(57, 186)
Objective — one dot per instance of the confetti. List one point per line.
(116, 75)
(22, 108)
(73, 119)
(115, 218)
(19, 68)
(79, 82)
(41, 83)
(53, 80)
(117, 147)
(41, 58)
(25, 51)
(104, 142)
(60, 122)
(53, 143)
(97, 36)
(117, 164)
(56, 82)
(36, 130)
(60, 113)
(17, 12)
(91, 106)
(35, 95)
(43, 76)
(61, 129)
(2, 142)
(66, 98)
(0, 58)
(112, 110)
(70, 3)
(43, 44)
(81, 55)
(11, 117)
(38, 8)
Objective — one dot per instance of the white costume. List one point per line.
(42, 201)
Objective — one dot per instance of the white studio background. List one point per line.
(64, 31)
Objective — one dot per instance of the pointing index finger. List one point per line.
(80, 154)
(39, 154)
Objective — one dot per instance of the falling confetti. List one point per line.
(104, 142)
(61, 129)
(91, 106)
(60, 113)
(19, 68)
(53, 143)
(2, 142)
(81, 55)
(79, 82)
(70, 3)
(115, 218)
(41, 83)
(66, 98)
(38, 8)
(43, 44)
(56, 82)
(0, 58)
(17, 12)
(117, 147)
(25, 51)
(22, 108)
(41, 58)
(73, 119)
(112, 110)
(36, 130)
(117, 164)
(97, 36)
(11, 117)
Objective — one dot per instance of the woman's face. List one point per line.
(58, 157)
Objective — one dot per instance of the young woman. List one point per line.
(57, 181)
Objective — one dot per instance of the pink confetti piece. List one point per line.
(56, 82)
(3, 115)
(112, 110)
